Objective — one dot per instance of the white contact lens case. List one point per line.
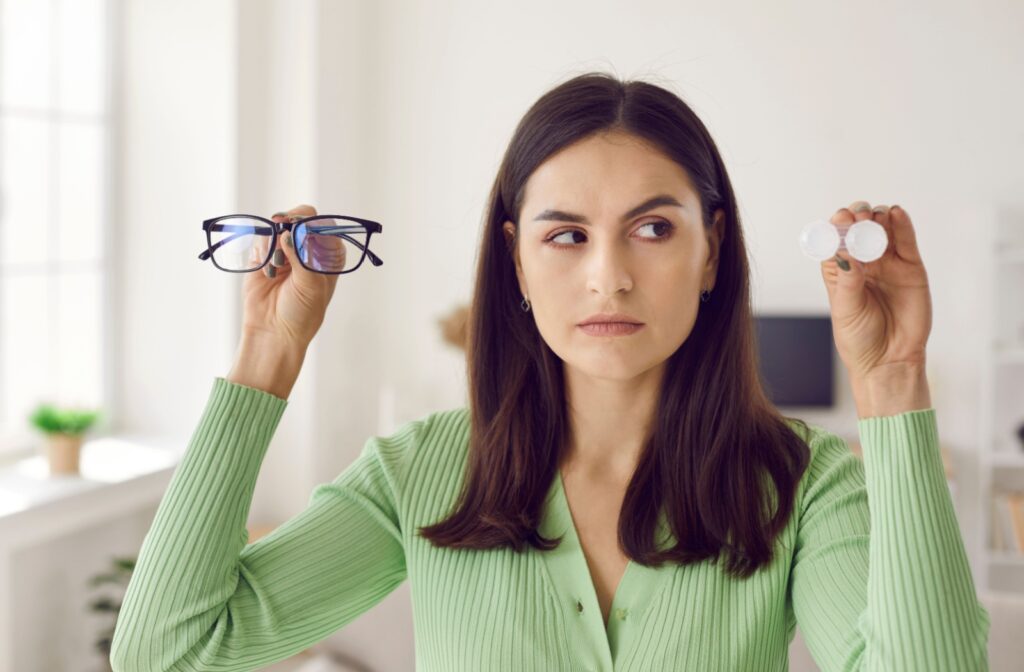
(865, 240)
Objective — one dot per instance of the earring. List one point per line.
(525, 305)
(705, 294)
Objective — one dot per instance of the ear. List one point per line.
(714, 236)
(509, 230)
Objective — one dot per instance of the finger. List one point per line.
(842, 219)
(284, 256)
(845, 285)
(861, 210)
(326, 249)
(331, 249)
(298, 212)
(303, 210)
(904, 237)
(830, 274)
(283, 248)
(323, 250)
(258, 253)
(834, 275)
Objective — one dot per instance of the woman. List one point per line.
(619, 494)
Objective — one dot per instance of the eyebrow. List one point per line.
(649, 204)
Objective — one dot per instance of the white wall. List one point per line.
(176, 167)
(400, 111)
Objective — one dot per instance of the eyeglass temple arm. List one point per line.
(205, 254)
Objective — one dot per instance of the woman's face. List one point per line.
(585, 247)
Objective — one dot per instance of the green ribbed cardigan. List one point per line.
(202, 598)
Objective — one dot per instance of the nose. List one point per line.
(608, 269)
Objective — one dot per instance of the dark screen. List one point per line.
(797, 355)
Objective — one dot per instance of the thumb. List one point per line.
(286, 253)
(307, 281)
(845, 281)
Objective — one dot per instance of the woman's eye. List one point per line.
(554, 238)
(661, 229)
(666, 228)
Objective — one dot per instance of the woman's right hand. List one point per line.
(289, 307)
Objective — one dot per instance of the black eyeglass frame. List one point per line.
(277, 228)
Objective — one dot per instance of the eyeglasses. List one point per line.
(244, 243)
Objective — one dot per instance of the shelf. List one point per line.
(26, 484)
(1002, 396)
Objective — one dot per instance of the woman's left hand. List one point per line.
(881, 310)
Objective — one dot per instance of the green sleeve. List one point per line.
(885, 586)
(201, 599)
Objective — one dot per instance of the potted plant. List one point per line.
(119, 575)
(64, 429)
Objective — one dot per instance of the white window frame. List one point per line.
(20, 440)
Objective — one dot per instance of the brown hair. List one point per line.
(716, 434)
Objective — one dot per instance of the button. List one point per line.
(621, 614)
(579, 606)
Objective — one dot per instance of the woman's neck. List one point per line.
(609, 423)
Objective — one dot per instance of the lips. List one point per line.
(615, 318)
(611, 328)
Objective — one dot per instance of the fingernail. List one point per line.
(288, 240)
(893, 207)
(278, 214)
(861, 206)
(843, 263)
(279, 257)
(270, 270)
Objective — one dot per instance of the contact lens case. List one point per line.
(865, 240)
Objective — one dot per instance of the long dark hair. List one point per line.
(716, 436)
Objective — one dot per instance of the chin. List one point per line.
(612, 366)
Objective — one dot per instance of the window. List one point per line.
(55, 167)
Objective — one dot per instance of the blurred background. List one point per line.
(125, 123)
